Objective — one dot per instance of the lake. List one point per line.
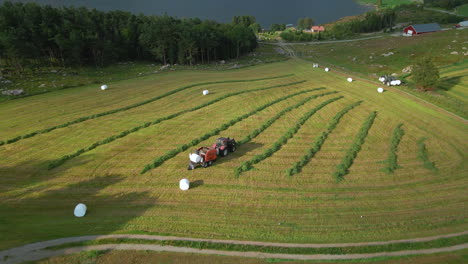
(265, 11)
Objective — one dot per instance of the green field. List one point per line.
(278, 110)
(462, 10)
(391, 55)
(388, 3)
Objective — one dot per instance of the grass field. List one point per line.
(388, 3)
(462, 10)
(263, 203)
(390, 55)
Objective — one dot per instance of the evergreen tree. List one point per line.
(425, 74)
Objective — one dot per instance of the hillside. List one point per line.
(278, 111)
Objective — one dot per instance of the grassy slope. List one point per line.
(387, 3)
(263, 204)
(366, 58)
(462, 10)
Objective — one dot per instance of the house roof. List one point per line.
(420, 28)
(320, 28)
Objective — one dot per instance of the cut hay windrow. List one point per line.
(270, 121)
(58, 162)
(109, 112)
(172, 153)
(248, 165)
(343, 168)
(424, 157)
(392, 161)
(317, 145)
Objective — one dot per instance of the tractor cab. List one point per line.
(225, 145)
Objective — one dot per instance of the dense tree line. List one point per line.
(447, 4)
(31, 34)
(371, 22)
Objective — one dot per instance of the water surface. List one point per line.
(265, 11)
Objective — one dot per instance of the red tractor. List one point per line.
(225, 145)
(205, 156)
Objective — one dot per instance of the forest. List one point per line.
(32, 35)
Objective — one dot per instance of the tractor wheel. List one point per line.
(210, 163)
(205, 164)
(233, 148)
(191, 166)
(225, 152)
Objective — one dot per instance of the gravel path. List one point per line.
(37, 251)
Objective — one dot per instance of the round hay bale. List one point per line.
(104, 87)
(80, 210)
(350, 79)
(184, 184)
(327, 69)
(205, 92)
(380, 90)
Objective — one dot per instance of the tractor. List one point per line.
(205, 156)
(224, 146)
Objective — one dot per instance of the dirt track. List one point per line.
(37, 251)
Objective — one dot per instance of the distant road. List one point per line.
(317, 42)
(37, 251)
(442, 11)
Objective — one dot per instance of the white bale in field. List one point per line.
(184, 184)
(395, 82)
(205, 92)
(327, 69)
(195, 158)
(350, 79)
(380, 90)
(104, 87)
(80, 210)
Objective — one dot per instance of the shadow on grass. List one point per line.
(29, 176)
(447, 84)
(240, 151)
(49, 214)
(196, 184)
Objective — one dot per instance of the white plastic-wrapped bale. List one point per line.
(104, 87)
(194, 158)
(380, 90)
(327, 69)
(80, 210)
(395, 82)
(350, 79)
(184, 184)
(205, 92)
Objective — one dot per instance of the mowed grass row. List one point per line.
(261, 205)
(297, 166)
(343, 168)
(58, 162)
(248, 165)
(24, 116)
(392, 162)
(160, 160)
(121, 109)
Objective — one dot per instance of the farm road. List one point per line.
(37, 251)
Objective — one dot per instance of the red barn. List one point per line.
(317, 29)
(421, 28)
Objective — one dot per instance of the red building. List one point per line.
(421, 28)
(317, 29)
